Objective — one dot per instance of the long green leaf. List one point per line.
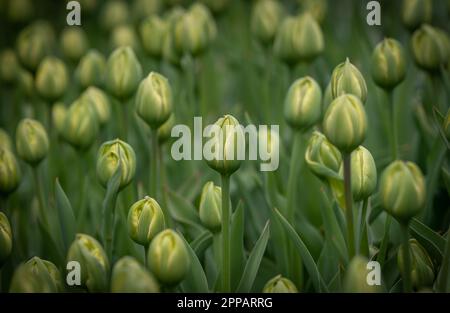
(237, 239)
(430, 240)
(66, 216)
(201, 243)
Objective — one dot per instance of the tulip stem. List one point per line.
(363, 239)
(163, 190)
(407, 273)
(393, 128)
(348, 205)
(384, 243)
(154, 164)
(40, 194)
(225, 233)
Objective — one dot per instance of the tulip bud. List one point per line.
(33, 45)
(279, 284)
(5, 140)
(299, 39)
(165, 130)
(9, 66)
(152, 31)
(80, 125)
(9, 171)
(145, 220)
(210, 208)
(303, 103)
(227, 145)
(168, 257)
(431, 47)
(94, 265)
(123, 73)
(51, 79)
(114, 13)
(26, 82)
(154, 100)
(364, 174)
(31, 141)
(5, 238)
(388, 63)
(100, 103)
(317, 8)
(265, 20)
(402, 190)
(345, 123)
(355, 279)
(416, 12)
(202, 13)
(169, 52)
(322, 158)
(131, 277)
(422, 269)
(110, 155)
(74, 43)
(59, 112)
(143, 8)
(123, 36)
(347, 79)
(91, 69)
(36, 276)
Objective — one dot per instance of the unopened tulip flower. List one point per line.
(52, 79)
(210, 208)
(265, 20)
(364, 174)
(317, 8)
(152, 31)
(322, 158)
(74, 43)
(279, 284)
(31, 141)
(124, 36)
(33, 45)
(114, 13)
(422, 268)
(5, 238)
(355, 279)
(347, 79)
(165, 130)
(9, 66)
(91, 69)
(5, 140)
(141, 9)
(169, 52)
(9, 171)
(26, 82)
(431, 47)
(416, 12)
(131, 277)
(100, 102)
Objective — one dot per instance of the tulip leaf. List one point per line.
(51, 247)
(253, 262)
(66, 216)
(237, 239)
(201, 243)
(185, 213)
(430, 240)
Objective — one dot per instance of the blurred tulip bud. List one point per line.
(9, 66)
(165, 130)
(226, 145)
(114, 13)
(91, 69)
(299, 39)
(416, 12)
(123, 73)
(422, 269)
(26, 82)
(446, 125)
(152, 31)
(94, 265)
(265, 20)
(169, 52)
(145, 221)
(388, 63)
(110, 155)
(402, 190)
(20, 11)
(31, 141)
(431, 47)
(100, 102)
(74, 43)
(131, 277)
(279, 284)
(9, 171)
(216, 6)
(5, 140)
(355, 279)
(203, 14)
(123, 36)
(345, 123)
(322, 158)
(141, 9)
(168, 257)
(364, 174)
(51, 79)
(33, 44)
(210, 208)
(59, 112)
(5, 237)
(36, 276)
(303, 103)
(317, 8)
(154, 100)
(347, 79)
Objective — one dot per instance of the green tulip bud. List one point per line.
(5, 237)
(51, 79)
(303, 103)
(165, 130)
(123, 73)
(416, 12)
(210, 208)
(317, 8)
(81, 125)
(154, 100)
(364, 174)
(110, 155)
(123, 36)
(322, 158)
(431, 47)
(152, 31)
(131, 277)
(345, 123)
(299, 39)
(74, 43)
(9, 66)
(347, 79)
(33, 44)
(145, 221)
(100, 103)
(20, 10)
(9, 171)
(203, 14)
(227, 141)
(114, 13)
(168, 257)
(31, 141)
(388, 63)
(59, 113)
(91, 69)
(446, 125)
(5, 140)
(26, 82)
(422, 269)
(36, 276)
(94, 265)
(169, 52)
(355, 279)
(279, 284)
(265, 20)
(143, 8)
(402, 190)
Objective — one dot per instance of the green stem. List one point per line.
(295, 163)
(163, 190)
(40, 194)
(364, 242)
(348, 205)
(407, 272)
(225, 233)
(154, 165)
(393, 122)
(384, 243)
